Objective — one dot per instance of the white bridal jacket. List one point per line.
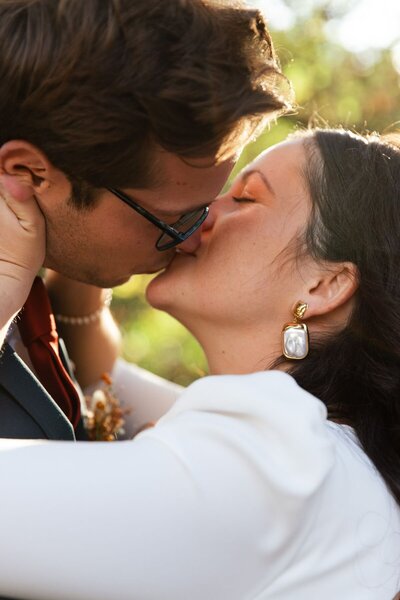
(242, 491)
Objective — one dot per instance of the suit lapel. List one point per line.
(80, 431)
(20, 382)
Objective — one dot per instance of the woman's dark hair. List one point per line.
(95, 84)
(354, 183)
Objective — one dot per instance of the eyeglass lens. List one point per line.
(183, 225)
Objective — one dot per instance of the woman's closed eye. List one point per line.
(242, 199)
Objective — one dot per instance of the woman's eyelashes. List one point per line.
(242, 199)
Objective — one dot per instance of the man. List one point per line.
(122, 118)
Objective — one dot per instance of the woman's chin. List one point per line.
(156, 292)
(161, 293)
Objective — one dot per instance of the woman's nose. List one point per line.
(209, 222)
(222, 205)
(192, 243)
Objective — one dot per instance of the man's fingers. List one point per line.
(14, 189)
(20, 200)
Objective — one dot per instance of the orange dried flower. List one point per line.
(105, 417)
(106, 378)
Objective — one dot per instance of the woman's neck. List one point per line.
(231, 351)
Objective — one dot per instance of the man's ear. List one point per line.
(26, 165)
(331, 289)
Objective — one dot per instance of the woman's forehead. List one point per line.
(281, 165)
(290, 152)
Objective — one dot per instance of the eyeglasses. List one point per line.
(173, 234)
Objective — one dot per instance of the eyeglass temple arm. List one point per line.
(142, 211)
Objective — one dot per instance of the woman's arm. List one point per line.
(93, 346)
(206, 505)
(145, 396)
(94, 349)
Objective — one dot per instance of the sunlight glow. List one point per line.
(368, 24)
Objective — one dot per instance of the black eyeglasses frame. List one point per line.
(178, 236)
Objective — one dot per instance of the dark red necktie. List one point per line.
(37, 327)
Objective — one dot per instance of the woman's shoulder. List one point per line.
(266, 418)
(281, 430)
(266, 393)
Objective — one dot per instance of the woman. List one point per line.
(251, 486)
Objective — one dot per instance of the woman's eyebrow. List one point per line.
(247, 174)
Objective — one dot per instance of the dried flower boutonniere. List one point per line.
(105, 418)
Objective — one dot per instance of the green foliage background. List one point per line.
(358, 91)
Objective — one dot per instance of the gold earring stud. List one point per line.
(295, 340)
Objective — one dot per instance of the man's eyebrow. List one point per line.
(247, 174)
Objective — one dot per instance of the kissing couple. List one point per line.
(278, 475)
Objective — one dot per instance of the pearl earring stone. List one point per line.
(295, 341)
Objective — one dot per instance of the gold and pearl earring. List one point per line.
(295, 341)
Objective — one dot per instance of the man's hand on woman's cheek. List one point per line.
(22, 245)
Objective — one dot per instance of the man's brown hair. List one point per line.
(96, 83)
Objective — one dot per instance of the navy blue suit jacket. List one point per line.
(26, 409)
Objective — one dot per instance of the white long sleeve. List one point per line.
(146, 396)
(241, 492)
